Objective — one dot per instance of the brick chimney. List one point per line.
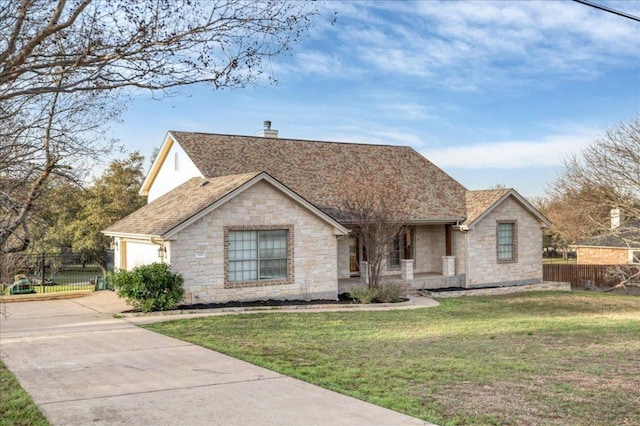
(617, 218)
(267, 132)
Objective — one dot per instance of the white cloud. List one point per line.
(473, 45)
(406, 111)
(546, 152)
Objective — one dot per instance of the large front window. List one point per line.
(258, 255)
(506, 236)
(401, 247)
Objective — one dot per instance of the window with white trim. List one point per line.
(255, 255)
(506, 242)
(635, 257)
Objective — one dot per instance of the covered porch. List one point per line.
(425, 256)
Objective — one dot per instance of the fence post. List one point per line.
(44, 267)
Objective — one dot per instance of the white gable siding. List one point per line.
(168, 177)
(483, 266)
(197, 252)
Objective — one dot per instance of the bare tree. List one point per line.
(54, 135)
(605, 176)
(608, 171)
(574, 214)
(67, 68)
(626, 276)
(375, 214)
(151, 44)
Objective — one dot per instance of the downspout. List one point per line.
(338, 238)
(162, 251)
(466, 258)
(465, 229)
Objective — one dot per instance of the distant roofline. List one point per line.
(291, 139)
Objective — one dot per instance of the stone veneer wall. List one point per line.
(458, 249)
(484, 267)
(343, 257)
(430, 247)
(198, 251)
(602, 256)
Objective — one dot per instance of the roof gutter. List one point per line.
(133, 236)
(428, 221)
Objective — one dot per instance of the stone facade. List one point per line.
(459, 250)
(343, 257)
(406, 268)
(197, 252)
(602, 256)
(483, 266)
(430, 247)
(448, 266)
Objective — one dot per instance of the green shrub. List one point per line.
(150, 287)
(387, 292)
(391, 292)
(364, 294)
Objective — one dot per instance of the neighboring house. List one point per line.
(619, 246)
(258, 217)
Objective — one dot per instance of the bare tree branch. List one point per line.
(67, 67)
(604, 176)
(375, 215)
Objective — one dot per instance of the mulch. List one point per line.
(343, 299)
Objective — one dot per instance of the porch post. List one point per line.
(448, 266)
(406, 269)
(364, 272)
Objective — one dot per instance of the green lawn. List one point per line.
(535, 358)
(16, 406)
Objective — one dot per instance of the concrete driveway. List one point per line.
(82, 366)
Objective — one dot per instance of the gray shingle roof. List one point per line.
(319, 171)
(627, 236)
(173, 208)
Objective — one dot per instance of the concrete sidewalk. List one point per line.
(82, 366)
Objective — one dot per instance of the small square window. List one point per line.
(635, 257)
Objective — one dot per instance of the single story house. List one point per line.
(260, 217)
(619, 246)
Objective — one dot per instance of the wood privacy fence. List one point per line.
(578, 275)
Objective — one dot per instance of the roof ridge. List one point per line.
(290, 139)
(491, 190)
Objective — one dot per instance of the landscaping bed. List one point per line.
(343, 299)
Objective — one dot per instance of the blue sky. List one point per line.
(493, 92)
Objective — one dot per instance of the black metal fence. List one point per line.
(53, 272)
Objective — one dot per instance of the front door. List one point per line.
(354, 256)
